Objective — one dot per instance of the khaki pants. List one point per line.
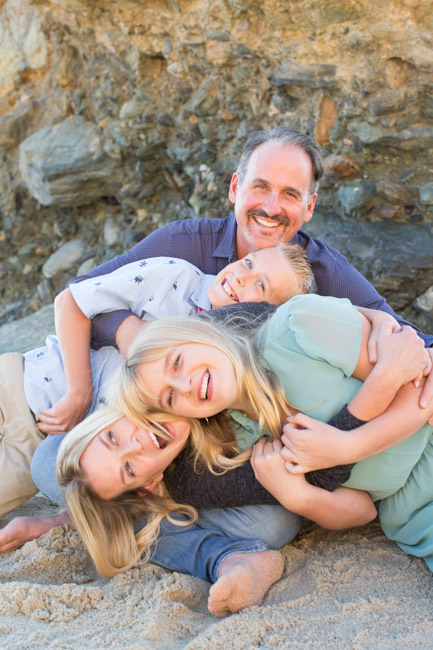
(19, 435)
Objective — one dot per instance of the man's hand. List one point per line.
(65, 414)
(310, 445)
(403, 353)
(127, 331)
(382, 324)
(427, 391)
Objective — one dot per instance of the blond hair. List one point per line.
(297, 257)
(260, 388)
(107, 526)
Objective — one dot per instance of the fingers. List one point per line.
(300, 421)
(427, 392)
(372, 349)
(428, 362)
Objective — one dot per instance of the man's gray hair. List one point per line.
(284, 135)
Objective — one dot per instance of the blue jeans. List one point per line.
(198, 549)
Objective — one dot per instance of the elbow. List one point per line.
(62, 298)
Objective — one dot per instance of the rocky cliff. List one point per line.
(116, 117)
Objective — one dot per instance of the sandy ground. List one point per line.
(339, 590)
(353, 590)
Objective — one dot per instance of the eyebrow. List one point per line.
(121, 469)
(287, 187)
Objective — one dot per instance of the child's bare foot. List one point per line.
(244, 579)
(23, 529)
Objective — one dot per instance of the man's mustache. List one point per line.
(275, 217)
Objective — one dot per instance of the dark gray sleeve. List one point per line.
(331, 478)
(239, 487)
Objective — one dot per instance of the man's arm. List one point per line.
(335, 276)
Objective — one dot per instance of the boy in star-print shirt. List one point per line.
(158, 287)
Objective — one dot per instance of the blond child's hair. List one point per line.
(258, 386)
(297, 257)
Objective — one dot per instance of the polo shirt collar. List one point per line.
(227, 246)
(199, 297)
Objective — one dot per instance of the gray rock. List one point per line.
(411, 139)
(205, 100)
(27, 333)
(66, 165)
(426, 194)
(133, 108)
(113, 235)
(22, 41)
(387, 101)
(64, 258)
(396, 257)
(354, 195)
(86, 266)
(16, 126)
(425, 301)
(318, 75)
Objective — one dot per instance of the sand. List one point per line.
(351, 589)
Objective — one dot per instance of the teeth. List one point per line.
(267, 224)
(227, 289)
(204, 386)
(155, 439)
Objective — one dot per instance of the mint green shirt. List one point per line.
(312, 343)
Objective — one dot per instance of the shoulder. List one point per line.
(197, 227)
(307, 313)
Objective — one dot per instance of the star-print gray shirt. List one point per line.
(151, 289)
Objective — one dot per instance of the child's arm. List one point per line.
(73, 332)
(401, 358)
(310, 444)
(342, 508)
(383, 323)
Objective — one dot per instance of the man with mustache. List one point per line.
(274, 191)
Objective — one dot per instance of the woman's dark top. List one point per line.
(239, 487)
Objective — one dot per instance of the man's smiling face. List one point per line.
(273, 200)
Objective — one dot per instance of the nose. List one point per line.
(183, 384)
(133, 445)
(244, 278)
(272, 205)
(240, 277)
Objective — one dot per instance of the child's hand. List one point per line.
(65, 414)
(403, 355)
(269, 470)
(310, 445)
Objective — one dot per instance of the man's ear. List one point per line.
(233, 189)
(310, 208)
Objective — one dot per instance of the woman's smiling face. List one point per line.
(125, 457)
(191, 380)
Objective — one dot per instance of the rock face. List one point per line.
(65, 165)
(118, 117)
